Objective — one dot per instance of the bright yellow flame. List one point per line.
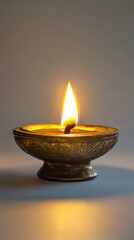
(70, 114)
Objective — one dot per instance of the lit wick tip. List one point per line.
(68, 128)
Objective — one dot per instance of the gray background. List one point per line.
(43, 44)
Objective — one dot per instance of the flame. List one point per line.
(70, 113)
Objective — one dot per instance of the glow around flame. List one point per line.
(70, 113)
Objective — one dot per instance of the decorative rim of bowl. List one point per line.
(80, 131)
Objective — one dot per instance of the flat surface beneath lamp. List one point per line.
(31, 208)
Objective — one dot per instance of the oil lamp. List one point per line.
(66, 149)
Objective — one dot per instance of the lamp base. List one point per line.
(66, 172)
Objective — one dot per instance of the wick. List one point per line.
(68, 128)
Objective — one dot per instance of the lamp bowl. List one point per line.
(66, 157)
